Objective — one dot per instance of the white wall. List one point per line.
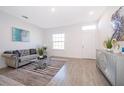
(6, 43)
(105, 29)
(73, 41)
(73, 35)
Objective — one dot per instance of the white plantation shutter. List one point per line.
(58, 41)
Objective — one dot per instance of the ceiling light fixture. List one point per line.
(89, 27)
(53, 9)
(91, 13)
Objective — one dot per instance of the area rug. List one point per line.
(30, 77)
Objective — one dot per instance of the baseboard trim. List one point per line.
(71, 57)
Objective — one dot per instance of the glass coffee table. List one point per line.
(40, 63)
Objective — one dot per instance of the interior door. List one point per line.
(89, 44)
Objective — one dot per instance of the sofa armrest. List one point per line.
(9, 56)
(11, 60)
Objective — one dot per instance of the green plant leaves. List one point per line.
(40, 51)
(108, 43)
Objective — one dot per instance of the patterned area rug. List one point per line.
(30, 77)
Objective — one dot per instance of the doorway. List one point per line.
(89, 44)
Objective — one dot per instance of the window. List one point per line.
(58, 41)
(89, 27)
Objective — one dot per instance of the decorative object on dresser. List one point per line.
(112, 45)
(115, 46)
(17, 58)
(112, 66)
(122, 51)
(108, 44)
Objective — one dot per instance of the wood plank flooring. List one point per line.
(79, 72)
(76, 72)
(9, 82)
(29, 76)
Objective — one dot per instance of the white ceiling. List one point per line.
(43, 17)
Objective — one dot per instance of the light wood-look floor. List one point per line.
(75, 72)
(5, 81)
(78, 72)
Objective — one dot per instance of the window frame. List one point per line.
(58, 41)
(89, 27)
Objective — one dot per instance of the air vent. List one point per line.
(25, 17)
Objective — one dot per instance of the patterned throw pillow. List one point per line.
(33, 51)
(16, 52)
(24, 52)
(8, 52)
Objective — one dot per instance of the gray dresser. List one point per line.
(112, 66)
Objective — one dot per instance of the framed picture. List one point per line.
(118, 24)
(20, 35)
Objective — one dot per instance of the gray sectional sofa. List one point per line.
(17, 58)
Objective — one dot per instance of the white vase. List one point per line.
(40, 56)
(109, 50)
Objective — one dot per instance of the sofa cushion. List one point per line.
(32, 51)
(8, 52)
(27, 58)
(16, 52)
(24, 58)
(24, 52)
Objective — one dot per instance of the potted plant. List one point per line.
(40, 52)
(108, 44)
